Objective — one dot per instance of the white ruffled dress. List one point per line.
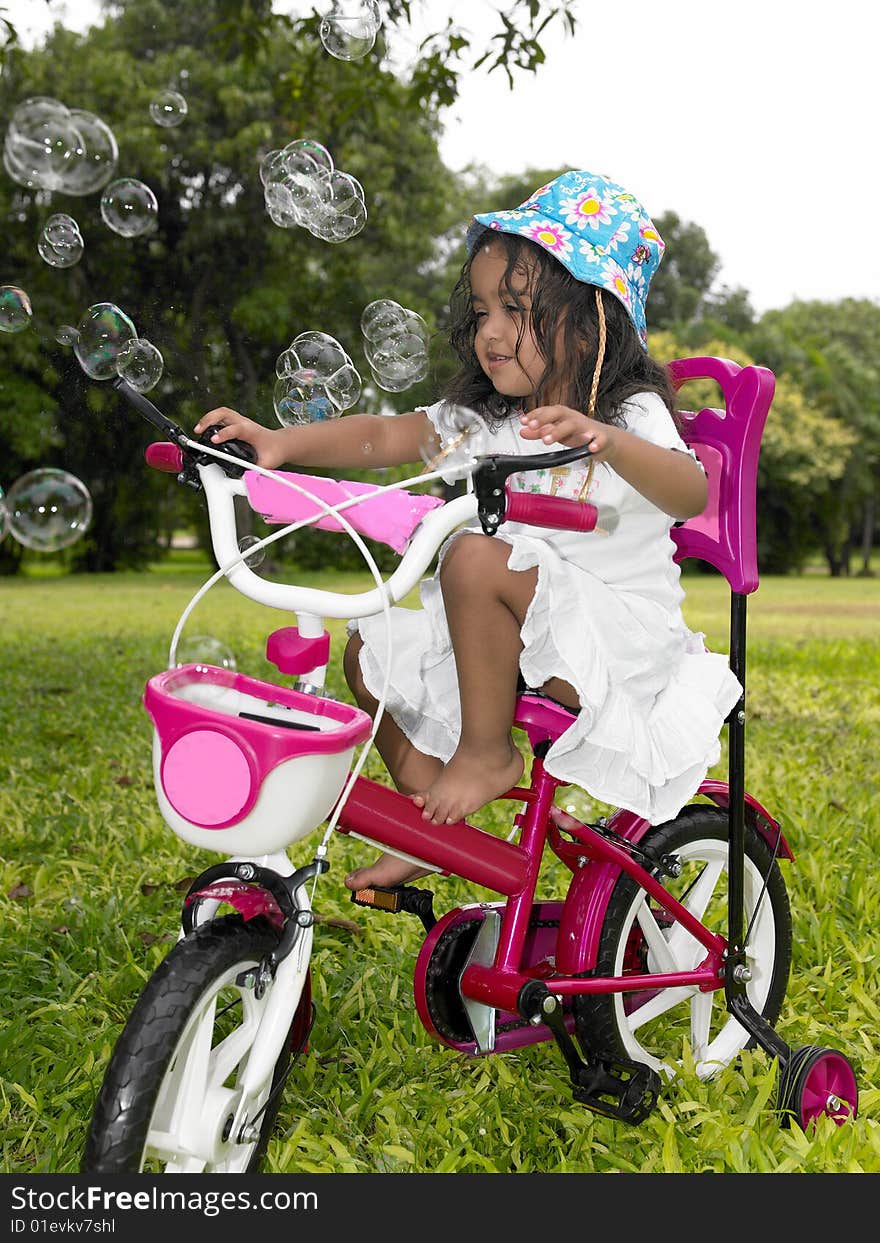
(606, 617)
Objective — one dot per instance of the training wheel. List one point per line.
(816, 1083)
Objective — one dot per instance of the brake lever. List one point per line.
(151, 413)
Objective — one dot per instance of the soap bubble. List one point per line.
(95, 157)
(48, 509)
(395, 344)
(340, 212)
(129, 207)
(4, 517)
(316, 380)
(168, 109)
(315, 151)
(204, 649)
(379, 316)
(15, 309)
(66, 334)
(60, 243)
(466, 440)
(103, 332)
(302, 187)
(253, 559)
(49, 146)
(349, 28)
(140, 364)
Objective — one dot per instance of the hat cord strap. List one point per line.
(600, 356)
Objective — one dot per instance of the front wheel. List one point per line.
(639, 937)
(170, 1092)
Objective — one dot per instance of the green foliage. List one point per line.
(90, 893)
(685, 276)
(830, 351)
(218, 288)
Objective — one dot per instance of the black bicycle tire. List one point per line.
(595, 1015)
(121, 1117)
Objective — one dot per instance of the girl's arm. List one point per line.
(355, 442)
(669, 479)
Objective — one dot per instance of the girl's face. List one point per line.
(514, 370)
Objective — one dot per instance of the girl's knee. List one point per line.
(471, 557)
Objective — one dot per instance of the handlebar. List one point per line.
(189, 457)
(491, 501)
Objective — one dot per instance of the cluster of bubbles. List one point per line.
(302, 186)
(60, 243)
(316, 380)
(349, 28)
(106, 344)
(105, 341)
(49, 146)
(168, 109)
(395, 344)
(129, 207)
(46, 510)
(15, 309)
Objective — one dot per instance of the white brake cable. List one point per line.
(334, 512)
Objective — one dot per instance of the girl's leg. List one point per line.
(486, 604)
(410, 770)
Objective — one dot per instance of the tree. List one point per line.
(684, 278)
(831, 351)
(218, 287)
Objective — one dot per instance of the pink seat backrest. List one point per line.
(727, 442)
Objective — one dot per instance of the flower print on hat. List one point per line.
(587, 210)
(596, 229)
(551, 236)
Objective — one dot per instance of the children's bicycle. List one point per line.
(679, 931)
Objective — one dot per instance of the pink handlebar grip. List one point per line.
(550, 511)
(164, 456)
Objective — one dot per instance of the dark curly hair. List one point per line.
(559, 303)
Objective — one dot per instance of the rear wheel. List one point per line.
(171, 1090)
(639, 937)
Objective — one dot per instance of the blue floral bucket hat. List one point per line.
(596, 229)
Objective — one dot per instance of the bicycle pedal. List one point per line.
(379, 897)
(618, 1088)
(397, 899)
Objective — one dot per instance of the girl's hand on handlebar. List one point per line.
(234, 426)
(564, 426)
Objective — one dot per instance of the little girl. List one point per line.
(548, 322)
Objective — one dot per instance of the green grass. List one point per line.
(91, 878)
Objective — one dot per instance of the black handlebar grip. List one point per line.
(235, 448)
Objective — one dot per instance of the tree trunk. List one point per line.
(869, 519)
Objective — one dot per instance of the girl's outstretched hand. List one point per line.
(563, 426)
(235, 426)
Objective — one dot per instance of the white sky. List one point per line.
(756, 120)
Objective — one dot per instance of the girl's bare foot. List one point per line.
(388, 870)
(467, 783)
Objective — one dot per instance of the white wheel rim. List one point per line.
(197, 1094)
(715, 1036)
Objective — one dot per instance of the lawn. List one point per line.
(91, 884)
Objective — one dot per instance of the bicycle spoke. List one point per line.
(682, 944)
(663, 957)
(702, 1005)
